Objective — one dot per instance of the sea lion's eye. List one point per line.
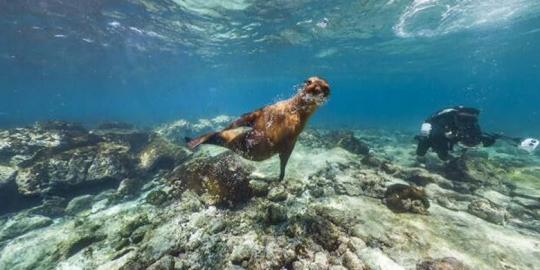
(308, 82)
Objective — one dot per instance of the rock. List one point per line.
(403, 198)
(375, 259)
(347, 141)
(277, 194)
(135, 140)
(78, 242)
(477, 172)
(22, 224)
(259, 187)
(275, 214)
(324, 232)
(115, 125)
(448, 263)
(156, 197)
(372, 161)
(321, 260)
(132, 224)
(352, 262)
(486, 210)
(128, 187)
(241, 253)
(224, 178)
(423, 177)
(494, 197)
(53, 206)
(160, 154)
(7, 175)
(344, 139)
(91, 165)
(164, 263)
(79, 204)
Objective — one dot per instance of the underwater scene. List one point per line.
(250, 134)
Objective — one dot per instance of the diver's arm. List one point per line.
(489, 139)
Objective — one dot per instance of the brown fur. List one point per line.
(272, 129)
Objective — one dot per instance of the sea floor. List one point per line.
(117, 197)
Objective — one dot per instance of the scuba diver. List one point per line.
(459, 125)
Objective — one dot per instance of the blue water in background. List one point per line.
(75, 61)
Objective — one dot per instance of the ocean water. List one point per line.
(390, 65)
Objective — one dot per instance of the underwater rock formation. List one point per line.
(223, 178)
(343, 138)
(447, 263)
(64, 159)
(403, 198)
(212, 210)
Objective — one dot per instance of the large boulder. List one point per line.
(404, 198)
(64, 159)
(224, 178)
(161, 154)
(475, 171)
(21, 224)
(85, 165)
(344, 139)
(347, 141)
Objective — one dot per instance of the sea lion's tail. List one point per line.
(207, 138)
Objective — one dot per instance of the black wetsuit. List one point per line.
(452, 126)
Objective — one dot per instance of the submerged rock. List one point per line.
(160, 154)
(403, 198)
(57, 173)
(347, 141)
(7, 175)
(65, 160)
(157, 197)
(448, 263)
(277, 194)
(475, 172)
(224, 178)
(79, 204)
(329, 215)
(344, 139)
(275, 214)
(486, 210)
(21, 224)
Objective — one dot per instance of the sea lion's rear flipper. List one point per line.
(246, 120)
(221, 138)
(212, 138)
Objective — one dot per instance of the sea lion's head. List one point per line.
(316, 87)
(315, 92)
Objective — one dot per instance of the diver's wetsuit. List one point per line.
(451, 126)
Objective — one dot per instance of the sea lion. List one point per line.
(273, 129)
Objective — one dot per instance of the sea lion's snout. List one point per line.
(317, 86)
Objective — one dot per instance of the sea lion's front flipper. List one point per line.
(246, 120)
(283, 160)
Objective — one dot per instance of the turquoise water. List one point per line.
(390, 63)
